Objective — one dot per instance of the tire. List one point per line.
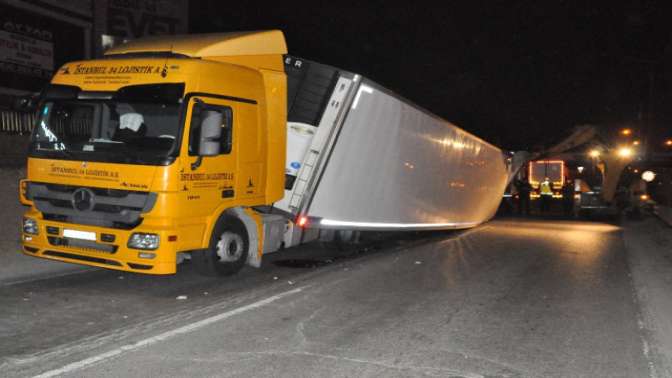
(227, 252)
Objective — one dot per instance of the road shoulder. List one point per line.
(648, 244)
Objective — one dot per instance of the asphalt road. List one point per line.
(512, 298)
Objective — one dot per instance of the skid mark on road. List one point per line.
(641, 325)
(165, 335)
(245, 356)
(646, 349)
(46, 277)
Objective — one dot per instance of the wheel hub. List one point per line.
(229, 247)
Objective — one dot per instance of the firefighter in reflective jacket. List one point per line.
(546, 195)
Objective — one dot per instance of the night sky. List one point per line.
(517, 73)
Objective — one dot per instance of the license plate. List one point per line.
(75, 234)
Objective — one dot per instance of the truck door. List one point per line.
(207, 181)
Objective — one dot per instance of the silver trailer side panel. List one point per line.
(396, 166)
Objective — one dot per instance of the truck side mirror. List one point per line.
(211, 132)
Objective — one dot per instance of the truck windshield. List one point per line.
(137, 125)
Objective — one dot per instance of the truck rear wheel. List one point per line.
(227, 252)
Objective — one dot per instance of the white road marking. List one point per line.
(164, 336)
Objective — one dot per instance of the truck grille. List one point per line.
(112, 208)
(82, 245)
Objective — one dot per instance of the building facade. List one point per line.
(38, 36)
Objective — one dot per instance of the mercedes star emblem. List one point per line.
(83, 199)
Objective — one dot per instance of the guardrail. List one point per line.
(14, 122)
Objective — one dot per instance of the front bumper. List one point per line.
(50, 243)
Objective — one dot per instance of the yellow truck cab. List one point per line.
(222, 148)
(162, 146)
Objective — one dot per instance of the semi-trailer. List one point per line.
(223, 148)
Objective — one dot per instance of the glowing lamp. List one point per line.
(648, 176)
(624, 152)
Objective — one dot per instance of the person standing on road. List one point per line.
(524, 188)
(568, 197)
(546, 195)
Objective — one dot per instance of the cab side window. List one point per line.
(226, 138)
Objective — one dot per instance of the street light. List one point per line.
(668, 142)
(635, 143)
(648, 176)
(594, 153)
(624, 152)
(626, 132)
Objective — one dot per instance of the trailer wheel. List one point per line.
(227, 252)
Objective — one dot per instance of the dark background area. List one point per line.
(68, 42)
(517, 73)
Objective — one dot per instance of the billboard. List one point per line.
(33, 44)
(27, 54)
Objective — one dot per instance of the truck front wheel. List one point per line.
(227, 252)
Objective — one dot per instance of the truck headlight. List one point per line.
(140, 240)
(30, 226)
